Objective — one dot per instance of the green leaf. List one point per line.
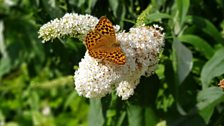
(182, 6)
(200, 44)
(147, 16)
(37, 118)
(157, 16)
(207, 100)
(206, 26)
(150, 117)
(141, 18)
(5, 66)
(91, 4)
(60, 81)
(114, 6)
(11, 124)
(2, 44)
(135, 115)
(95, 113)
(183, 61)
(180, 13)
(213, 68)
(71, 102)
(121, 118)
(2, 117)
(52, 8)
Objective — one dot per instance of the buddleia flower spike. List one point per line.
(113, 60)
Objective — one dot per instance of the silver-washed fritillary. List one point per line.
(102, 44)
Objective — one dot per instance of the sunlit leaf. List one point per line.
(5, 66)
(135, 115)
(95, 113)
(183, 61)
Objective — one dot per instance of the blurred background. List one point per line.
(36, 79)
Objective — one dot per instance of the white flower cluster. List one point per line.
(71, 24)
(141, 46)
(95, 79)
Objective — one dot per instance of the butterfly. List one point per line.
(101, 43)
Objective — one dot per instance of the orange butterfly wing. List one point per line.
(101, 43)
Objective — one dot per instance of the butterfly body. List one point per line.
(102, 44)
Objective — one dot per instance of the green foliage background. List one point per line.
(36, 80)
